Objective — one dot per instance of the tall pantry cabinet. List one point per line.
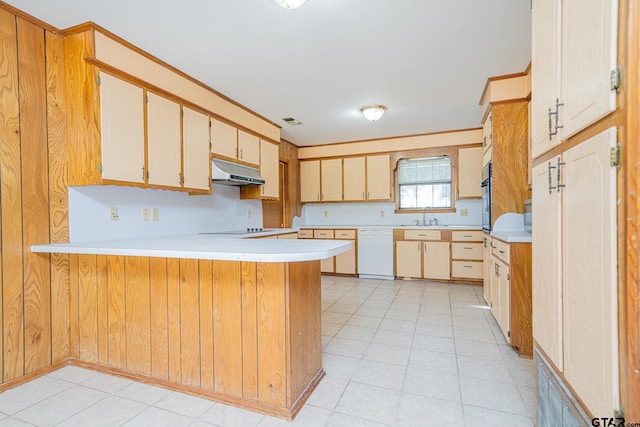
(574, 85)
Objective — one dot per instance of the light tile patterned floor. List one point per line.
(396, 353)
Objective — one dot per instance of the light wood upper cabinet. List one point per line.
(224, 139)
(408, 259)
(437, 257)
(122, 130)
(469, 172)
(331, 180)
(164, 147)
(310, 181)
(379, 177)
(570, 79)
(195, 148)
(354, 178)
(270, 169)
(248, 148)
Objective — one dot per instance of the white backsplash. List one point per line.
(383, 214)
(178, 212)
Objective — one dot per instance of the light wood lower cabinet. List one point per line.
(408, 259)
(436, 256)
(486, 267)
(508, 289)
(246, 333)
(344, 263)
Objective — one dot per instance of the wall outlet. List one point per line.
(326, 214)
(146, 214)
(249, 214)
(113, 214)
(155, 215)
(464, 212)
(381, 214)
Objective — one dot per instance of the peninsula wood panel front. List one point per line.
(246, 333)
(33, 198)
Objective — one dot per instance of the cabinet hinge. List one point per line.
(101, 168)
(615, 79)
(509, 334)
(146, 99)
(98, 80)
(508, 276)
(615, 156)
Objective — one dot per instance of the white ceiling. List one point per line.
(426, 60)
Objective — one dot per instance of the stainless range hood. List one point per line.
(227, 173)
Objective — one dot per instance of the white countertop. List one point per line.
(512, 236)
(399, 227)
(207, 246)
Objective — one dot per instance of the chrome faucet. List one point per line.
(424, 220)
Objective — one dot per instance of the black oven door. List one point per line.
(486, 198)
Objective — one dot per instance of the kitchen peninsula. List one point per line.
(234, 320)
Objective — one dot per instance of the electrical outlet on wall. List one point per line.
(155, 215)
(113, 214)
(464, 212)
(249, 214)
(326, 214)
(381, 214)
(146, 214)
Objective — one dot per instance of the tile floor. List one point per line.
(403, 353)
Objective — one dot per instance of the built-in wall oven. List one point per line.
(486, 198)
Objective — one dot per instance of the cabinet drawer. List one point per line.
(466, 251)
(501, 250)
(345, 234)
(422, 235)
(288, 236)
(467, 236)
(323, 234)
(305, 234)
(466, 269)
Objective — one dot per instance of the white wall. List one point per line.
(371, 214)
(179, 213)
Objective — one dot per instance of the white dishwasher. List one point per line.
(375, 253)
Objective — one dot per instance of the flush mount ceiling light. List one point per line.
(373, 112)
(290, 4)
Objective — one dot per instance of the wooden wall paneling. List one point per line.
(58, 203)
(159, 318)
(227, 330)
(137, 314)
(173, 316)
(35, 194)
(117, 334)
(60, 308)
(272, 375)
(249, 331)
(189, 322)
(304, 326)
(521, 300)
(10, 202)
(83, 112)
(103, 309)
(510, 158)
(74, 341)
(206, 324)
(629, 46)
(87, 308)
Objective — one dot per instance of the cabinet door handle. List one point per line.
(549, 167)
(241, 153)
(558, 184)
(143, 174)
(501, 252)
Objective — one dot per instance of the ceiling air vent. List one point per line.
(292, 122)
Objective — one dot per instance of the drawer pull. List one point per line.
(468, 248)
(501, 252)
(467, 235)
(467, 266)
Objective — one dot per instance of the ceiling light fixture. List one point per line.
(290, 4)
(373, 112)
